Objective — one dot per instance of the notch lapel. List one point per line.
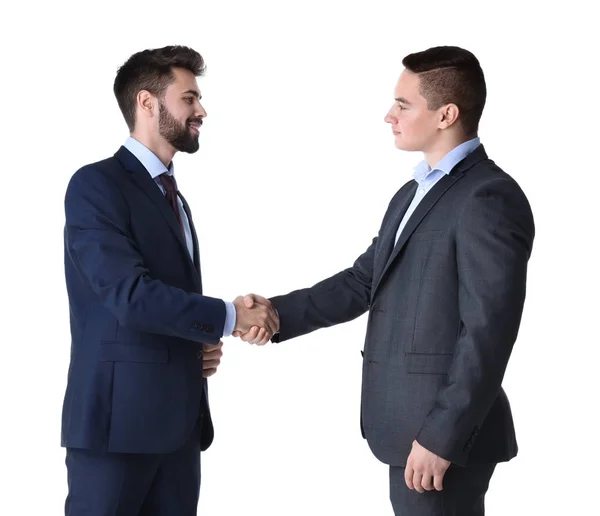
(389, 233)
(188, 212)
(417, 216)
(427, 203)
(151, 189)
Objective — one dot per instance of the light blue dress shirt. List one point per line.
(155, 168)
(427, 177)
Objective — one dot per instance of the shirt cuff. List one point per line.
(230, 319)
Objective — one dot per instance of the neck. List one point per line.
(157, 144)
(439, 149)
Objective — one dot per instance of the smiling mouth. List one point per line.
(195, 128)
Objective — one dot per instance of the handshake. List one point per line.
(256, 319)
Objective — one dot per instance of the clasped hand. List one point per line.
(256, 319)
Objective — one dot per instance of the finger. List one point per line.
(259, 337)
(211, 364)
(208, 372)
(261, 300)
(427, 482)
(417, 482)
(265, 340)
(437, 481)
(211, 347)
(213, 353)
(211, 361)
(249, 300)
(251, 334)
(236, 333)
(408, 476)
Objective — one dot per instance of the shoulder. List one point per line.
(487, 177)
(97, 183)
(492, 195)
(106, 172)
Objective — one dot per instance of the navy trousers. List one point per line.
(121, 484)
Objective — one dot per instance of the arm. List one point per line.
(338, 299)
(105, 255)
(493, 243)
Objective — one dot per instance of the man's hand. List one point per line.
(424, 470)
(256, 316)
(257, 335)
(212, 358)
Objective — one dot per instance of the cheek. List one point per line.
(418, 126)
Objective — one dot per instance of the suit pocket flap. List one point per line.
(428, 363)
(124, 352)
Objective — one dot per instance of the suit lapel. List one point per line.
(417, 216)
(150, 188)
(196, 251)
(425, 206)
(389, 232)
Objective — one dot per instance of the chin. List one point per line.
(399, 143)
(192, 150)
(402, 144)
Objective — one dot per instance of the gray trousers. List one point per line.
(462, 495)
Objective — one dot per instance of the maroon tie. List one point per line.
(170, 187)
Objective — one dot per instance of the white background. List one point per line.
(295, 171)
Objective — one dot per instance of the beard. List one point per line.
(178, 135)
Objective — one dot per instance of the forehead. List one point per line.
(184, 80)
(407, 86)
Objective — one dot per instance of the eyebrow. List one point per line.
(192, 92)
(403, 100)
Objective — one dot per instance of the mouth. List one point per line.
(195, 127)
(396, 133)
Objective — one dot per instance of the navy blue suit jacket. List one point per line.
(138, 316)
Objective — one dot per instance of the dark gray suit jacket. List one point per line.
(444, 306)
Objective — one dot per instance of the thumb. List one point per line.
(249, 300)
(236, 333)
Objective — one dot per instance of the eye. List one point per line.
(189, 100)
(401, 107)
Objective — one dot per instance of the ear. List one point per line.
(147, 103)
(448, 115)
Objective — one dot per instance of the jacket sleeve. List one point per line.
(103, 252)
(494, 238)
(340, 298)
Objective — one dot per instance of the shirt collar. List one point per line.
(147, 158)
(448, 162)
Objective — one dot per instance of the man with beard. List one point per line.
(144, 338)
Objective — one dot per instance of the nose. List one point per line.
(388, 117)
(200, 111)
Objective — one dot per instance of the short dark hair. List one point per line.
(451, 75)
(152, 70)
